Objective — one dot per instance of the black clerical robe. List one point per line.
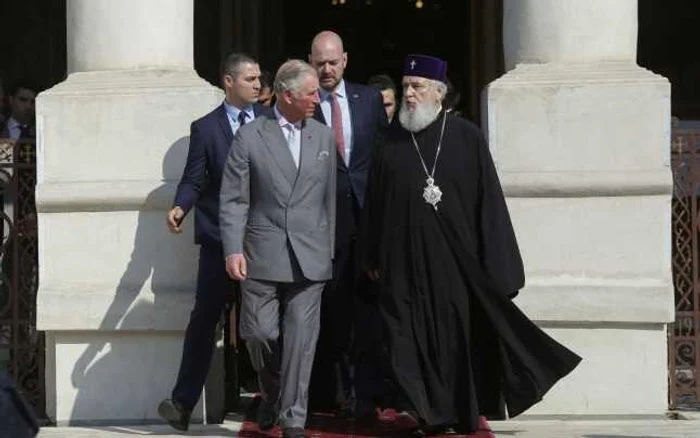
(458, 347)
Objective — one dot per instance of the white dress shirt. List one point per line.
(344, 109)
(232, 112)
(14, 128)
(292, 132)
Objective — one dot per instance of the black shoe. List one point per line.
(176, 416)
(267, 415)
(294, 432)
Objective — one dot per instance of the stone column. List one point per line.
(580, 135)
(129, 34)
(115, 287)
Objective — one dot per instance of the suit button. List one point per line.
(348, 196)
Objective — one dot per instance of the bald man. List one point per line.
(349, 322)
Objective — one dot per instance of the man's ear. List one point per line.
(228, 80)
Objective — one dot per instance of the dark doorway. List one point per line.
(378, 34)
(668, 46)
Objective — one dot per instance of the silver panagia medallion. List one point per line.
(432, 193)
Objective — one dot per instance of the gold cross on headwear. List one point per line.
(413, 64)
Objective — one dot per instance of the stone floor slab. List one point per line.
(506, 429)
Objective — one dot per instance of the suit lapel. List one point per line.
(276, 144)
(224, 124)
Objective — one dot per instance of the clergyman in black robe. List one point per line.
(438, 239)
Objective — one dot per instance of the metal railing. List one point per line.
(21, 345)
(684, 334)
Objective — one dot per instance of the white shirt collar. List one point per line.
(283, 121)
(234, 112)
(339, 90)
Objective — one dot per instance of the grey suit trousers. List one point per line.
(283, 363)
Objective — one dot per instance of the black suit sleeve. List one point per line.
(194, 177)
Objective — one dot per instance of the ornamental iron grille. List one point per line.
(684, 334)
(21, 345)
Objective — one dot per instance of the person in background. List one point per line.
(347, 375)
(21, 121)
(451, 100)
(267, 94)
(386, 86)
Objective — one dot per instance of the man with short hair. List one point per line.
(438, 239)
(21, 123)
(346, 371)
(386, 86)
(210, 140)
(278, 231)
(267, 94)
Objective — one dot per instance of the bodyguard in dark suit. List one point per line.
(210, 141)
(346, 361)
(17, 419)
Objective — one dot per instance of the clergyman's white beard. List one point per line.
(418, 118)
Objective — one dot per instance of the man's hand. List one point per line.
(175, 216)
(236, 267)
(373, 274)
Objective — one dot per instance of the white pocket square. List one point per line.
(322, 155)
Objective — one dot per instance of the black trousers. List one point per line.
(348, 359)
(216, 292)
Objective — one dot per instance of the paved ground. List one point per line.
(510, 429)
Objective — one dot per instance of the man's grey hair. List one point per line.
(290, 76)
(233, 64)
(440, 87)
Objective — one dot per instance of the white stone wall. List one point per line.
(580, 136)
(115, 287)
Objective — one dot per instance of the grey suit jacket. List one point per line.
(273, 212)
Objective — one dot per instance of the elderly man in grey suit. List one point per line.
(277, 220)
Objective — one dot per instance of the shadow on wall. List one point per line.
(113, 378)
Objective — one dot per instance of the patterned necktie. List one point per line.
(241, 118)
(337, 125)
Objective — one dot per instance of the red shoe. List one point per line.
(407, 420)
(484, 430)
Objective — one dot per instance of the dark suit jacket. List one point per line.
(17, 419)
(369, 122)
(4, 132)
(210, 141)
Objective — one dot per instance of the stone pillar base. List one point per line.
(116, 287)
(583, 154)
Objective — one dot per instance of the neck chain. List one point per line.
(431, 193)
